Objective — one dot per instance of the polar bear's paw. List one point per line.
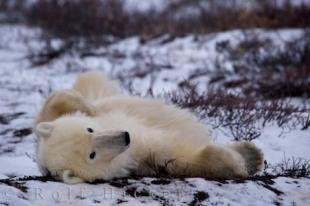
(68, 101)
(252, 155)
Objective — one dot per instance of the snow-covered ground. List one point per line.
(23, 88)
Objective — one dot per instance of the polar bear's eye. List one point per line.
(92, 155)
(90, 130)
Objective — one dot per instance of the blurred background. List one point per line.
(151, 18)
(242, 67)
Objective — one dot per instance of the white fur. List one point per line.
(159, 133)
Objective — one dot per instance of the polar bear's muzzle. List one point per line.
(111, 138)
(108, 144)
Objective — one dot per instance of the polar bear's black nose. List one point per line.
(127, 138)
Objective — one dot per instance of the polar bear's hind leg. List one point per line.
(252, 155)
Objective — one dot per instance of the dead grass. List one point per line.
(79, 18)
(261, 67)
(243, 116)
(293, 167)
(12, 11)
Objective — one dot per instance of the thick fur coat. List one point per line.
(92, 131)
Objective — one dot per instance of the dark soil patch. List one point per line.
(18, 185)
(272, 189)
(7, 150)
(34, 178)
(161, 182)
(119, 183)
(267, 179)
(119, 201)
(133, 192)
(80, 197)
(239, 181)
(22, 132)
(199, 197)
(6, 131)
(96, 201)
(7, 118)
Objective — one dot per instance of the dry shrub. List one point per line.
(94, 20)
(217, 15)
(48, 53)
(89, 18)
(67, 18)
(260, 67)
(292, 167)
(243, 116)
(12, 11)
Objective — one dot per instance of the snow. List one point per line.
(159, 5)
(23, 88)
(142, 6)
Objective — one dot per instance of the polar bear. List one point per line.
(93, 131)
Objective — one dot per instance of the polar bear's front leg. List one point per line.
(63, 102)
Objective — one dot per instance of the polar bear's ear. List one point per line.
(44, 129)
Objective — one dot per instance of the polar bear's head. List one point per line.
(78, 149)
